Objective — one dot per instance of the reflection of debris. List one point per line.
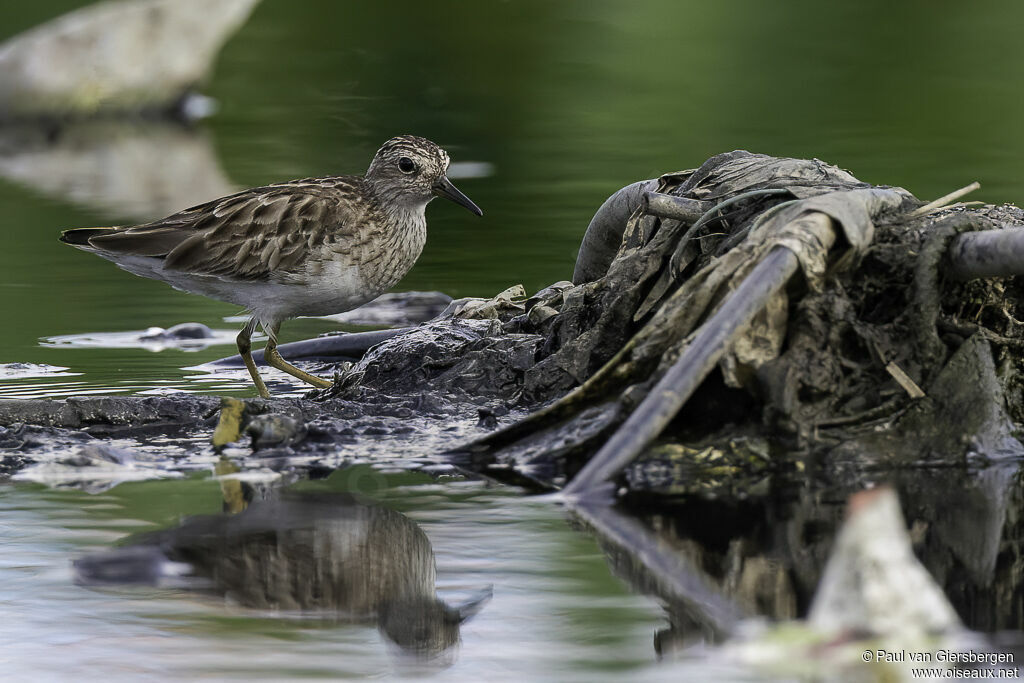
(392, 310)
(184, 336)
(396, 309)
(29, 370)
(734, 467)
(657, 568)
(326, 555)
(97, 467)
(873, 595)
(102, 453)
(179, 332)
(140, 169)
(123, 55)
(470, 169)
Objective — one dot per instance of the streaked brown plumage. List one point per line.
(315, 246)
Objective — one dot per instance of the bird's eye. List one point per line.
(406, 165)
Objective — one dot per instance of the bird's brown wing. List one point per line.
(250, 234)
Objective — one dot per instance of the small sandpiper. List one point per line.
(315, 246)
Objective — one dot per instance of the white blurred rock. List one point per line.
(115, 55)
(873, 583)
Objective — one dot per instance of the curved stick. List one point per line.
(604, 234)
(352, 346)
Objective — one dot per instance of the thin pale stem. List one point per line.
(946, 199)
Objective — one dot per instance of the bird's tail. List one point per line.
(81, 236)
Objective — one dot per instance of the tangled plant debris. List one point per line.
(874, 350)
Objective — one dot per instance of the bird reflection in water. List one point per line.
(321, 555)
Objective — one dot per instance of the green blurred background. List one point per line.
(567, 101)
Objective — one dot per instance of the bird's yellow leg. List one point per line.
(245, 350)
(274, 360)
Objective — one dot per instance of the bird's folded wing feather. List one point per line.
(247, 235)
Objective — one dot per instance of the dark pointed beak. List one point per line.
(444, 188)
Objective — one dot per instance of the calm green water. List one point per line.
(559, 104)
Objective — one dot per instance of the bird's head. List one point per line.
(413, 169)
